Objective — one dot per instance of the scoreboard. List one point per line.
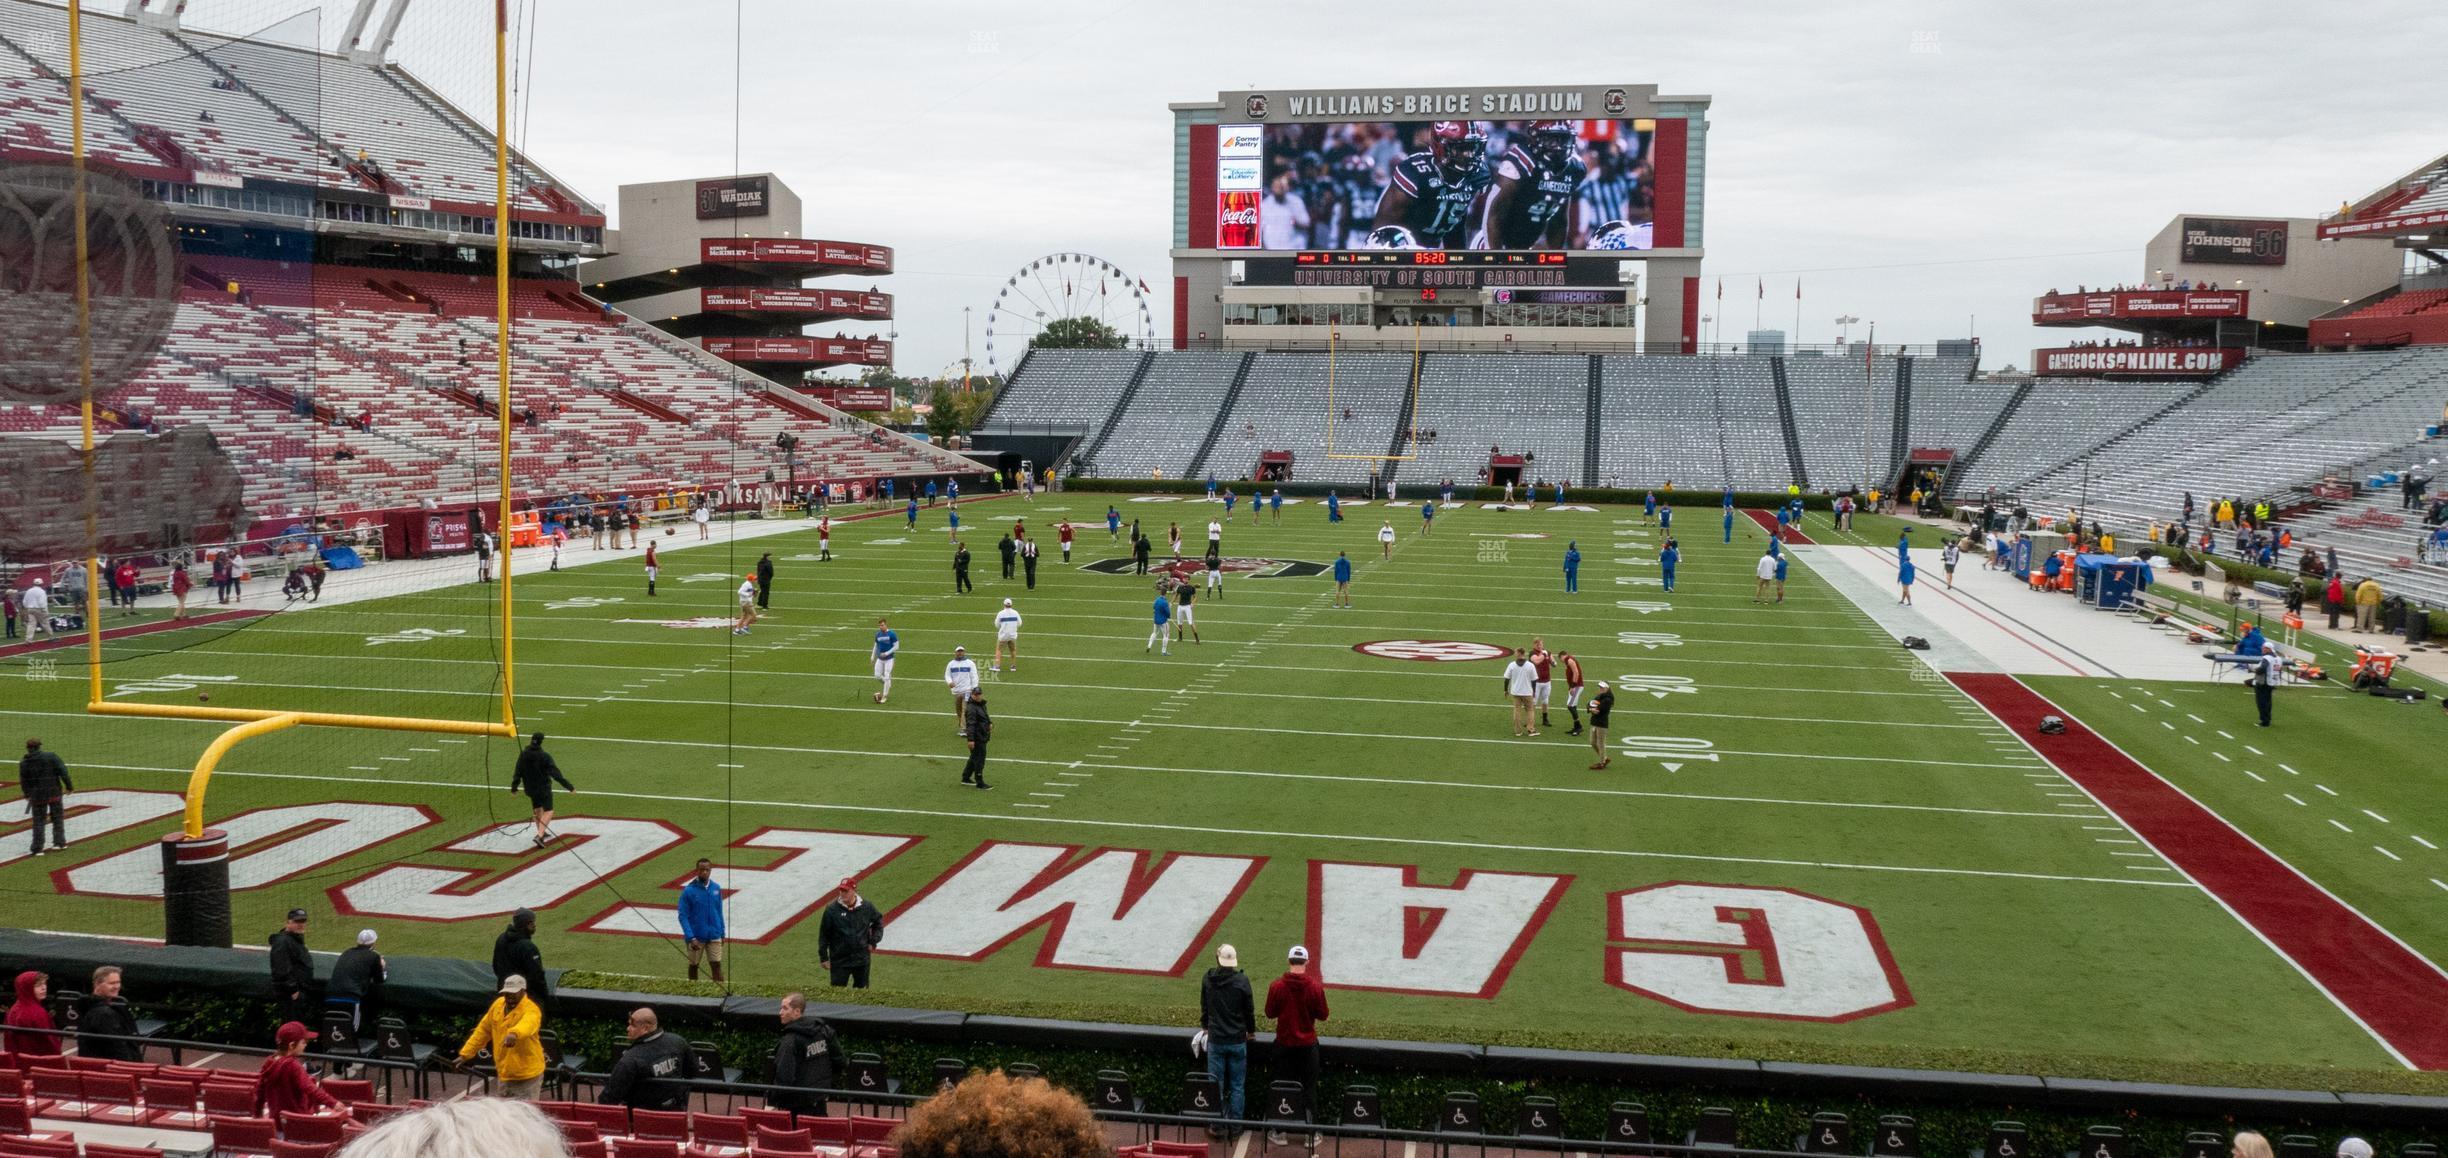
(1461, 257)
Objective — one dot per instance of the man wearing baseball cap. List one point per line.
(1297, 1002)
(509, 1029)
(292, 969)
(850, 929)
(1602, 707)
(283, 1086)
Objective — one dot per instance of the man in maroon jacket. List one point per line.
(1297, 1002)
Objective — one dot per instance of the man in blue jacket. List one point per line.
(701, 920)
(1342, 578)
(1667, 558)
(1572, 568)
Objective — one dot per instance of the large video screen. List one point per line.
(1452, 185)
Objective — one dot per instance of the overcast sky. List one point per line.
(1921, 164)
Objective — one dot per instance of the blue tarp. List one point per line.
(341, 559)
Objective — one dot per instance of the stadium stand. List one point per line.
(1169, 416)
(1844, 412)
(1067, 387)
(1282, 406)
(1532, 406)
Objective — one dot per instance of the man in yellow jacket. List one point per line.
(509, 1029)
(2367, 604)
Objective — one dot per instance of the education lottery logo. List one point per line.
(1432, 650)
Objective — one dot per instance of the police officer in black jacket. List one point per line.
(292, 969)
(806, 1059)
(649, 1072)
(960, 567)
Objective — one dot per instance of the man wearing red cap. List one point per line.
(283, 1086)
(1297, 1002)
(850, 930)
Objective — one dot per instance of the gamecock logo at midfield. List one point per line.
(1189, 568)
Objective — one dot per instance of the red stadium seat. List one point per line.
(644, 1148)
(229, 1099)
(283, 1148)
(659, 1124)
(111, 1098)
(768, 1118)
(865, 1131)
(241, 1137)
(104, 1150)
(827, 1131)
(785, 1141)
(33, 1147)
(170, 1103)
(718, 1129)
(369, 1113)
(311, 1127)
(349, 1089)
(610, 1121)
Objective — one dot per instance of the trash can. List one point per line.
(2417, 626)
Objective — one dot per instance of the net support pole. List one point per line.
(501, 332)
(84, 333)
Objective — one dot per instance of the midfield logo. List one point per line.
(1189, 568)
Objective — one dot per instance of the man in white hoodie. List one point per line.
(960, 677)
(1007, 636)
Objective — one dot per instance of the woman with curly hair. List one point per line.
(991, 1115)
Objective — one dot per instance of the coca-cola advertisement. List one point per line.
(1454, 185)
(1237, 219)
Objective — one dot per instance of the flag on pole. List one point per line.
(1797, 289)
(1721, 289)
(1763, 289)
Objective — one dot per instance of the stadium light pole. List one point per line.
(501, 339)
(84, 332)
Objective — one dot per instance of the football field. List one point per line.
(1809, 844)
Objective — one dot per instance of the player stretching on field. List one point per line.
(887, 645)
(1215, 572)
(1572, 688)
(747, 606)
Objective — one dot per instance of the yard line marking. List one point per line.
(425, 749)
(363, 768)
(2341, 825)
(2436, 881)
(2289, 771)
(2375, 816)
(2103, 828)
(2113, 840)
(2256, 776)
(2139, 708)
(398, 759)
(2222, 756)
(2195, 719)
(450, 740)
(2164, 702)
(2225, 736)
(2191, 740)
(1026, 804)
(2141, 854)
(2424, 843)
(2297, 799)
(1055, 795)
(2387, 853)
(730, 765)
(2326, 788)
(2253, 750)
(2147, 868)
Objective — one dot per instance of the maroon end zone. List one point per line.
(111, 633)
(1793, 535)
(2393, 991)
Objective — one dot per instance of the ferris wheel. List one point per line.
(1060, 286)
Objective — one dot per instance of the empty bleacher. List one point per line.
(1844, 411)
(1533, 406)
(1067, 387)
(1169, 417)
(2058, 421)
(1284, 405)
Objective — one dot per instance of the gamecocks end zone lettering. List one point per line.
(593, 848)
(763, 903)
(1376, 926)
(1111, 909)
(1753, 952)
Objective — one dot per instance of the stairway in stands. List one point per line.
(1232, 396)
(1593, 427)
(1785, 419)
(1980, 446)
(1899, 441)
(1121, 406)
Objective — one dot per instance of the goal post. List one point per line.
(1410, 437)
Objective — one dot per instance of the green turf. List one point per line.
(1845, 772)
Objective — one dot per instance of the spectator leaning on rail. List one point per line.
(1226, 1016)
(105, 1027)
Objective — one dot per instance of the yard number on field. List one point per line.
(415, 635)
